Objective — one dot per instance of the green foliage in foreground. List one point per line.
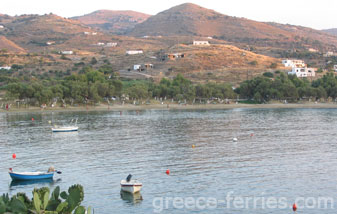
(44, 202)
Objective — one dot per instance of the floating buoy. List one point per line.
(32, 118)
(13, 155)
(193, 146)
(120, 113)
(167, 171)
(252, 134)
(294, 207)
(235, 139)
(49, 122)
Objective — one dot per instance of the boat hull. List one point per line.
(65, 129)
(132, 186)
(32, 176)
(131, 189)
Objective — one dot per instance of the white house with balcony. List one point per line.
(335, 68)
(293, 63)
(200, 43)
(303, 72)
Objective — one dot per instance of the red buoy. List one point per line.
(252, 134)
(294, 207)
(13, 155)
(167, 171)
(32, 118)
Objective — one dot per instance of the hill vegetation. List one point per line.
(117, 22)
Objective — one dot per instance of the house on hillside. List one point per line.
(134, 52)
(67, 52)
(303, 72)
(5, 68)
(200, 43)
(174, 56)
(312, 50)
(137, 67)
(328, 54)
(293, 63)
(100, 44)
(111, 44)
(148, 66)
(335, 68)
(50, 42)
(2, 27)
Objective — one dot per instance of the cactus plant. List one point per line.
(42, 204)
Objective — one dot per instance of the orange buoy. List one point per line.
(13, 155)
(193, 146)
(167, 171)
(294, 207)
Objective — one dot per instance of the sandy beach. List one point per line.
(170, 106)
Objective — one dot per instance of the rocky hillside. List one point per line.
(332, 31)
(117, 22)
(193, 20)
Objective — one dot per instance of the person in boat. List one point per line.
(51, 169)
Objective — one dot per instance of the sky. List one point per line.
(317, 14)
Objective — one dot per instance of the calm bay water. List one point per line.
(293, 153)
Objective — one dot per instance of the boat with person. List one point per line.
(131, 186)
(24, 176)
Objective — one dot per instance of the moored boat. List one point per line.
(24, 176)
(131, 186)
(64, 128)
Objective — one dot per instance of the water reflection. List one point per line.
(130, 198)
(50, 182)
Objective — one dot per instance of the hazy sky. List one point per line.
(318, 14)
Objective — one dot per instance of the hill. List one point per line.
(117, 22)
(193, 20)
(332, 31)
(9, 46)
(32, 32)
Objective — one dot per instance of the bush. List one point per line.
(268, 74)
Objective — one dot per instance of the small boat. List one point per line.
(69, 128)
(24, 176)
(64, 128)
(131, 186)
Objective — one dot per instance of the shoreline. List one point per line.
(131, 107)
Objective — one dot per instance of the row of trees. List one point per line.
(290, 87)
(100, 84)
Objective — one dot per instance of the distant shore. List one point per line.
(165, 106)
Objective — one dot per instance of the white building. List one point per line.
(67, 52)
(100, 44)
(136, 67)
(328, 54)
(133, 52)
(200, 43)
(302, 72)
(335, 68)
(293, 63)
(111, 44)
(1, 27)
(5, 68)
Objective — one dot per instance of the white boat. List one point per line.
(69, 128)
(131, 186)
(64, 128)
